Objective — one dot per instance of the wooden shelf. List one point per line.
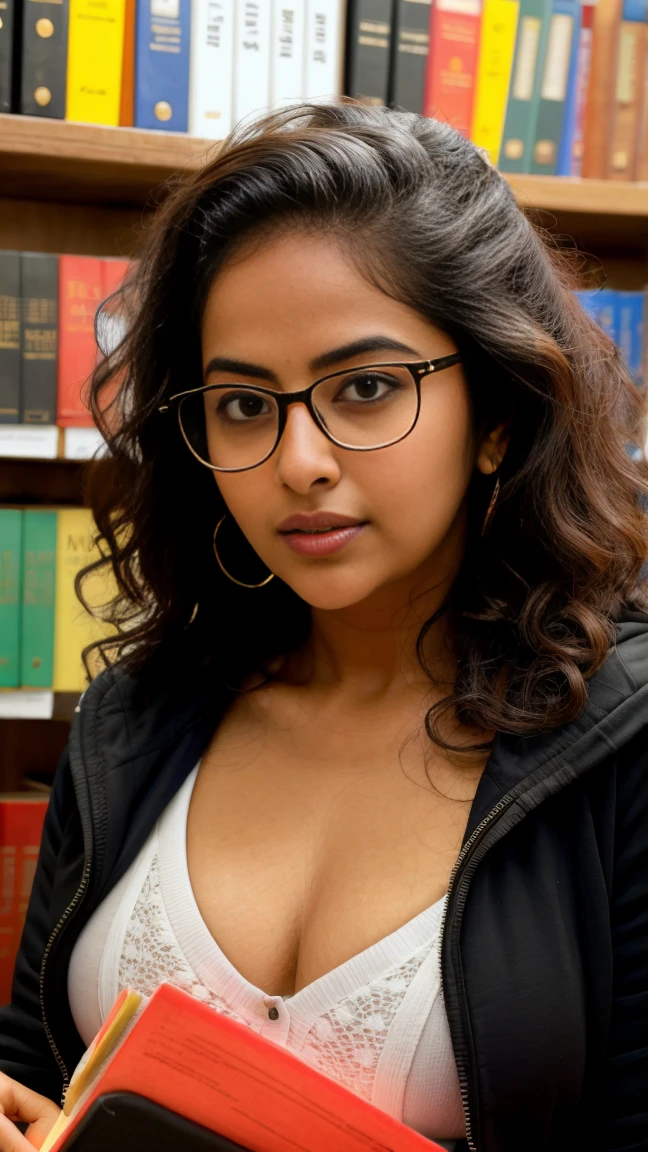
(63, 161)
(42, 482)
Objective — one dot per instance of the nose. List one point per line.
(305, 457)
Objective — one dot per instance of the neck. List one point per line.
(368, 650)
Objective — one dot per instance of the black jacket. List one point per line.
(545, 943)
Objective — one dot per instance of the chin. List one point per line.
(330, 594)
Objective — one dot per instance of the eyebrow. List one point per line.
(366, 344)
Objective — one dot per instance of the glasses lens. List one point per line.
(368, 407)
(229, 426)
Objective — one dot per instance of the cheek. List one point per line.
(421, 482)
(246, 496)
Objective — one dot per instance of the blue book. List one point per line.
(565, 150)
(602, 305)
(162, 64)
(631, 306)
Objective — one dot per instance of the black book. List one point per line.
(131, 1123)
(369, 33)
(9, 337)
(411, 43)
(7, 18)
(39, 310)
(44, 58)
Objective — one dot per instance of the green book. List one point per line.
(11, 525)
(38, 587)
(526, 84)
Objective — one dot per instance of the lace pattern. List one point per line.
(150, 953)
(347, 1041)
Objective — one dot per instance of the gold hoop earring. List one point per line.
(224, 569)
(491, 508)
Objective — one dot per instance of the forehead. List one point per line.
(302, 291)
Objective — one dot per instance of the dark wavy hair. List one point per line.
(434, 225)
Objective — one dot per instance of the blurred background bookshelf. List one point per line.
(81, 174)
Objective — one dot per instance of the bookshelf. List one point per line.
(88, 189)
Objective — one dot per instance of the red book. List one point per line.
(112, 274)
(80, 292)
(197, 1063)
(452, 62)
(21, 826)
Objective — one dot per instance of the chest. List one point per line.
(313, 834)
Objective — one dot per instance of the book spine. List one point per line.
(410, 48)
(628, 94)
(80, 292)
(452, 62)
(499, 27)
(38, 585)
(10, 337)
(44, 58)
(39, 306)
(211, 68)
(251, 58)
(324, 49)
(7, 17)
(369, 51)
(21, 827)
(287, 52)
(582, 82)
(524, 95)
(551, 111)
(631, 330)
(600, 92)
(127, 97)
(95, 58)
(11, 528)
(74, 627)
(162, 64)
(567, 136)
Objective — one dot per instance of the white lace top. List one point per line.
(376, 1023)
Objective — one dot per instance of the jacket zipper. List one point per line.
(72, 906)
(461, 1061)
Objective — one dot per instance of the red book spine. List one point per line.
(582, 83)
(452, 62)
(21, 826)
(80, 292)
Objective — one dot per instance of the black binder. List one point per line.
(123, 1122)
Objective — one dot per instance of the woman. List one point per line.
(380, 694)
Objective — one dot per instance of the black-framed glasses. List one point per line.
(234, 427)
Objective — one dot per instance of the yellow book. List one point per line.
(74, 628)
(499, 27)
(103, 1045)
(95, 57)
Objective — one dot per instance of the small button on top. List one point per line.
(273, 1013)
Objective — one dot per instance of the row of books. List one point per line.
(43, 627)
(21, 825)
(623, 316)
(184, 65)
(47, 339)
(554, 87)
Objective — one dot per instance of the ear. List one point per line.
(492, 449)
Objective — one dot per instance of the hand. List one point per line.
(20, 1104)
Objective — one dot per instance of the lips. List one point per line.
(318, 534)
(315, 522)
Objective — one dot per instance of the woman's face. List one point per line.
(290, 308)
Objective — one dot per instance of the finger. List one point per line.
(21, 1103)
(37, 1132)
(11, 1140)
